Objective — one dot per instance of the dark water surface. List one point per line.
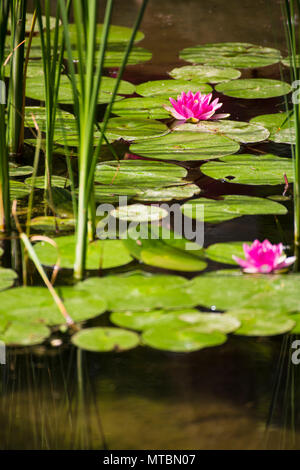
(218, 398)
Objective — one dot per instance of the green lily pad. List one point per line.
(168, 193)
(138, 174)
(51, 223)
(261, 323)
(254, 88)
(114, 55)
(205, 73)
(101, 254)
(149, 108)
(270, 293)
(105, 339)
(58, 181)
(139, 213)
(36, 305)
(28, 22)
(236, 130)
(251, 169)
(171, 87)
(185, 146)
(296, 318)
(60, 202)
(205, 322)
(15, 170)
(18, 189)
(159, 247)
(24, 334)
(136, 291)
(181, 340)
(231, 54)
(230, 207)
(35, 88)
(34, 69)
(116, 35)
(7, 277)
(280, 125)
(134, 128)
(223, 252)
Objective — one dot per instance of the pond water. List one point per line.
(241, 395)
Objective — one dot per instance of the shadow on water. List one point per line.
(218, 398)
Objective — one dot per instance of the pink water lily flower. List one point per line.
(263, 257)
(194, 107)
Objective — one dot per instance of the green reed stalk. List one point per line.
(86, 87)
(4, 169)
(52, 44)
(292, 7)
(15, 108)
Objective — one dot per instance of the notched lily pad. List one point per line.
(280, 125)
(230, 207)
(223, 252)
(236, 130)
(134, 128)
(139, 213)
(231, 54)
(101, 254)
(261, 323)
(171, 87)
(150, 108)
(185, 146)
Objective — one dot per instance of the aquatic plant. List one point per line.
(292, 10)
(86, 86)
(194, 107)
(4, 171)
(263, 257)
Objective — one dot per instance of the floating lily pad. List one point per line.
(18, 189)
(236, 130)
(184, 145)
(181, 340)
(223, 252)
(230, 207)
(115, 53)
(271, 293)
(52, 224)
(171, 87)
(231, 54)
(15, 170)
(7, 277)
(34, 69)
(101, 254)
(58, 181)
(280, 125)
(259, 323)
(116, 35)
(134, 128)
(136, 291)
(24, 334)
(205, 322)
(168, 193)
(139, 213)
(35, 304)
(35, 88)
(105, 339)
(205, 73)
(138, 174)
(251, 169)
(296, 329)
(159, 247)
(150, 108)
(254, 88)
(288, 61)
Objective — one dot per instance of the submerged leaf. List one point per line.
(184, 145)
